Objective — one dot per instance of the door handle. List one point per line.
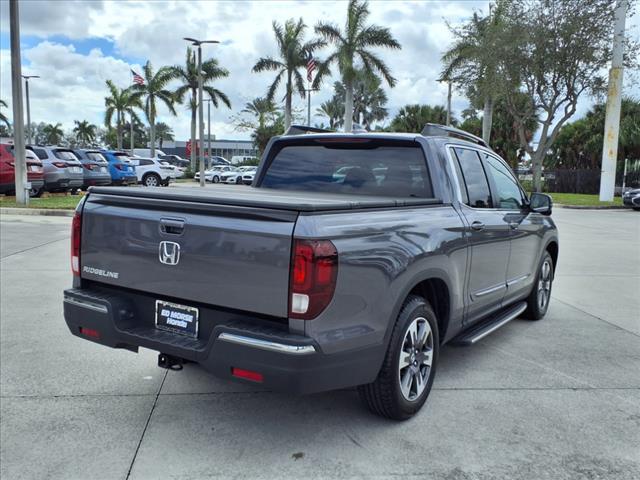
(171, 226)
(477, 226)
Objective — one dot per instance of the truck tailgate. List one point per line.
(229, 256)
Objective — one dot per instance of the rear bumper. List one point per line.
(128, 180)
(288, 362)
(56, 182)
(96, 179)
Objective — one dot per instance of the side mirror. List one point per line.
(541, 203)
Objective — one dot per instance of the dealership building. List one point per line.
(219, 147)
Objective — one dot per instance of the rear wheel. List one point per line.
(409, 367)
(151, 180)
(540, 296)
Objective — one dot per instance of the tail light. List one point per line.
(60, 164)
(76, 229)
(119, 166)
(91, 166)
(314, 271)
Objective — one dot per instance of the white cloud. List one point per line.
(73, 84)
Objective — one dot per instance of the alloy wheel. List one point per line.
(544, 285)
(416, 358)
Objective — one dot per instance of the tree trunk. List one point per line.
(193, 136)
(348, 106)
(287, 104)
(152, 135)
(119, 131)
(536, 164)
(487, 119)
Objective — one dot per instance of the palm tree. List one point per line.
(333, 110)
(153, 90)
(472, 61)
(354, 44)
(188, 75)
(293, 55)
(369, 99)
(262, 108)
(53, 133)
(3, 117)
(412, 118)
(120, 101)
(163, 132)
(85, 132)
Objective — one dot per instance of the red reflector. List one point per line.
(89, 332)
(247, 374)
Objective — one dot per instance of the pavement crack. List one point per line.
(33, 248)
(595, 316)
(146, 425)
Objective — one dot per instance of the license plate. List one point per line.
(103, 169)
(33, 168)
(76, 169)
(177, 318)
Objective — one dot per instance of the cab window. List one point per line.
(508, 193)
(474, 177)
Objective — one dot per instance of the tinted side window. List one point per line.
(475, 179)
(508, 191)
(146, 162)
(463, 188)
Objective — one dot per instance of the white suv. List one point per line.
(152, 172)
(213, 174)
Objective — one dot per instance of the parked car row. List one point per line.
(229, 174)
(58, 169)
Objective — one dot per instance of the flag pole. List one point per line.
(309, 104)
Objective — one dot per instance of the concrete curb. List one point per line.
(590, 207)
(49, 212)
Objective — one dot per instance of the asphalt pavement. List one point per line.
(555, 399)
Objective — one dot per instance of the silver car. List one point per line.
(62, 169)
(96, 167)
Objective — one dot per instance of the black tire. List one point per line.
(151, 180)
(536, 309)
(385, 395)
(238, 180)
(215, 179)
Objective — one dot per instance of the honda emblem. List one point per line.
(169, 253)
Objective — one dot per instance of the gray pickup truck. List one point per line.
(349, 262)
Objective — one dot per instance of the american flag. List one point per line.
(311, 66)
(137, 79)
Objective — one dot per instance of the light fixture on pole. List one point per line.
(26, 89)
(198, 43)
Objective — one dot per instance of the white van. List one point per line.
(146, 152)
(237, 159)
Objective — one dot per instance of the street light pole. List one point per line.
(209, 127)
(198, 43)
(22, 194)
(614, 100)
(26, 89)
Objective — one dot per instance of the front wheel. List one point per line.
(540, 296)
(215, 179)
(405, 379)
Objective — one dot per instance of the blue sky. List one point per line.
(75, 46)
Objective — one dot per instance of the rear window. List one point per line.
(122, 156)
(41, 153)
(64, 155)
(367, 168)
(95, 156)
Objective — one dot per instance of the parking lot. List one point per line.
(557, 399)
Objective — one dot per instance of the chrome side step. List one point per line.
(484, 328)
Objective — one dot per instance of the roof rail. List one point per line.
(302, 129)
(436, 130)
